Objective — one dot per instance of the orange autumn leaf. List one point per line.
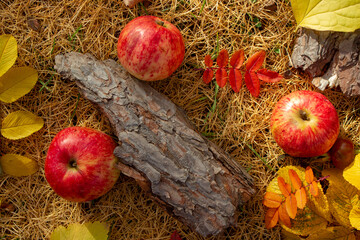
(291, 205)
(268, 76)
(283, 187)
(271, 217)
(313, 188)
(208, 61)
(272, 200)
(295, 179)
(237, 59)
(301, 198)
(284, 216)
(309, 175)
(221, 77)
(223, 58)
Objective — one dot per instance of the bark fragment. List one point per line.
(192, 177)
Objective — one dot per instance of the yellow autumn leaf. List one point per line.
(86, 231)
(337, 232)
(354, 216)
(17, 82)
(17, 165)
(352, 172)
(306, 222)
(342, 196)
(8, 53)
(20, 124)
(327, 15)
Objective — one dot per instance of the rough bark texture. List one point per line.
(331, 58)
(193, 178)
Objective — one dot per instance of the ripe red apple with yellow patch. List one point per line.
(80, 164)
(305, 124)
(150, 48)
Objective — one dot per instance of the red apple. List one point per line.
(305, 124)
(342, 153)
(150, 48)
(80, 164)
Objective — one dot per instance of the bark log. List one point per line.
(331, 58)
(192, 177)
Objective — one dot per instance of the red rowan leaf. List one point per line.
(291, 205)
(237, 59)
(221, 77)
(271, 217)
(268, 76)
(309, 175)
(295, 180)
(282, 186)
(252, 83)
(175, 236)
(314, 189)
(301, 198)
(223, 58)
(208, 75)
(208, 61)
(255, 61)
(235, 79)
(284, 216)
(272, 200)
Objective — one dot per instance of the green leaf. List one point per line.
(20, 124)
(327, 15)
(17, 82)
(87, 231)
(8, 53)
(17, 165)
(342, 196)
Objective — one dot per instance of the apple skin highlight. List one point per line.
(150, 48)
(305, 124)
(80, 164)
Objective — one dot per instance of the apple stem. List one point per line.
(161, 23)
(304, 116)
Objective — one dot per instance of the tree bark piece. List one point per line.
(331, 58)
(132, 3)
(192, 177)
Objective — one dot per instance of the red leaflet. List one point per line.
(268, 76)
(235, 79)
(252, 83)
(221, 77)
(271, 217)
(175, 236)
(223, 58)
(255, 61)
(237, 59)
(208, 75)
(208, 61)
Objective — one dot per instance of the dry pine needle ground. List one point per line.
(239, 123)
